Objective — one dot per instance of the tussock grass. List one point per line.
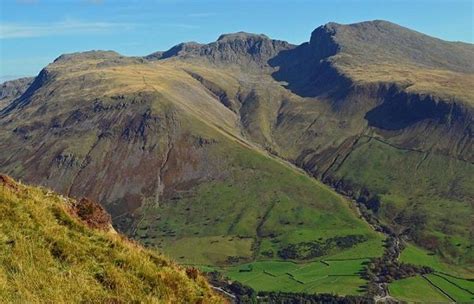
(46, 255)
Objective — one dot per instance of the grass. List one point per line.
(220, 214)
(436, 188)
(46, 255)
(416, 289)
(258, 207)
(338, 277)
(459, 294)
(418, 256)
(453, 280)
(467, 284)
(209, 250)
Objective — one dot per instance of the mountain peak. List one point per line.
(240, 48)
(242, 36)
(372, 42)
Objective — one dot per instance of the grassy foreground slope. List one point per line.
(49, 255)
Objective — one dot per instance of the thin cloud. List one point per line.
(201, 15)
(66, 27)
(26, 1)
(94, 1)
(181, 25)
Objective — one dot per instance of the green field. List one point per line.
(418, 256)
(259, 211)
(339, 277)
(416, 289)
(455, 291)
(455, 281)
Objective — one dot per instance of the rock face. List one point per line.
(379, 112)
(9, 90)
(239, 48)
(92, 213)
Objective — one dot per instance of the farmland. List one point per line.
(338, 277)
(447, 283)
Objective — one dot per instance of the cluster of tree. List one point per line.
(388, 271)
(387, 268)
(235, 259)
(309, 250)
(360, 194)
(267, 253)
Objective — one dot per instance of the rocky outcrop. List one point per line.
(7, 182)
(9, 90)
(238, 48)
(92, 214)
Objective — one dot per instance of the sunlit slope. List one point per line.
(49, 254)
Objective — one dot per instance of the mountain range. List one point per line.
(254, 151)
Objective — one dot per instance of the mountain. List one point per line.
(213, 152)
(56, 249)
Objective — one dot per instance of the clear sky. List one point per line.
(34, 32)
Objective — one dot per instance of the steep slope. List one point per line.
(55, 249)
(401, 111)
(12, 89)
(378, 111)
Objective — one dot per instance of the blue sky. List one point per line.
(34, 32)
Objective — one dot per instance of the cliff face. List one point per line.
(244, 49)
(9, 90)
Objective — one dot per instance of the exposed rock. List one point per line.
(236, 48)
(92, 214)
(8, 182)
(9, 90)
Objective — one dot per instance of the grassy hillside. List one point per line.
(47, 254)
(434, 210)
(261, 211)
